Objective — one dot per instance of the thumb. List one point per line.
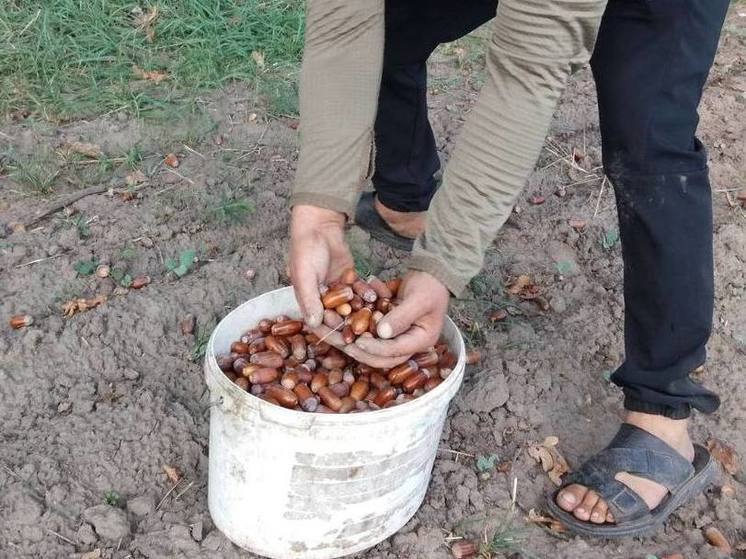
(399, 319)
(306, 289)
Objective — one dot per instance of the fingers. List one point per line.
(376, 361)
(307, 293)
(412, 341)
(401, 317)
(332, 337)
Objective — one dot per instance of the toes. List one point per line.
(571, 496)
(598, 515)
(583, 510)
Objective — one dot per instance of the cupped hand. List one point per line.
(318, 255)
(413, 325)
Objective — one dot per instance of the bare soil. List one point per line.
(101, 401)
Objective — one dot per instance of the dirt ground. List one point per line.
(99, 402)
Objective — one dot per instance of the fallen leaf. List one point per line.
(537, 200)
(673, 556)
(135, 178)
(725, 454)
(74, 306)
(150, 75)
(171, 160)
(145, 21)
(473, 357)
(716, 538)
(250, 273)
(551, 523)
(519, 284)
(19, 321)
(103, 271)
(140, 282)
(504, 467)
(173, 473)
(497, 315)
(89, 150)
(219, 140)
(577, 224)
(186, 325)
(464, 549)
(258, 57)
(95, 554)
(17, 227)
(552, 462)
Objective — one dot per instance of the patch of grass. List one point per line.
(609, 239)
(232, 210)
(181, 266)
(85, 267)
(81, 224)
(133, 157)
(37, 174)
(201, 337)
(121, 276)
(112, 498)
(63, 59)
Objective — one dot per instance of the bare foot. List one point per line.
(406, 224)
(586, 505)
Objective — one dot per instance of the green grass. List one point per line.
(62, 59)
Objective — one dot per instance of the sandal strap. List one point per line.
(624, 504)
(639, 453)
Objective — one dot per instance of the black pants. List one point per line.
(650, 64)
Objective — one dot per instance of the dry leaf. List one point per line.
(171, 160)
(519, 284)
(89, 150)
(145, 21)
(552, 523)
(74, 306)
(725, 454)
(537, 200)
(95, 554)
(577, 224)
(716, 538)
(550, 459)
(673, 556)
(140, 281)
(186, 325)
(135, 178)
(150, 75)
(173, 473)
(473, 357)
(19, 321)
(258, 57)
(497, 315)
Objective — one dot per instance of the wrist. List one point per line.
(305, 213)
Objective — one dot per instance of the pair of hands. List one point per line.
(319, 254)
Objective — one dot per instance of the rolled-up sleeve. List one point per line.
(339, 84)
(534, 47)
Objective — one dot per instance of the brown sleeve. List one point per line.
(535, 46)
(339, 83)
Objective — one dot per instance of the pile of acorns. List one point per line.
(283, 363)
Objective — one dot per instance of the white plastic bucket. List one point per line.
(288, 484)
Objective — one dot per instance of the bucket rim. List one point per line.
(447, 388)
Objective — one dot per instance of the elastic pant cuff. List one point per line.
(681, 411)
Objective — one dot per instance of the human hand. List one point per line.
(318, 255)
(412, 326)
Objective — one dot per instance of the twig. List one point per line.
(66, 201)
(167, 494)
(170, 170)
(600, 195)
(457, 452)
(39, 260)
(186, 147)
(60, 536)
(185, 490)
(336, 329)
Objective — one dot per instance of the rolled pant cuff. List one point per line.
(681, 411)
